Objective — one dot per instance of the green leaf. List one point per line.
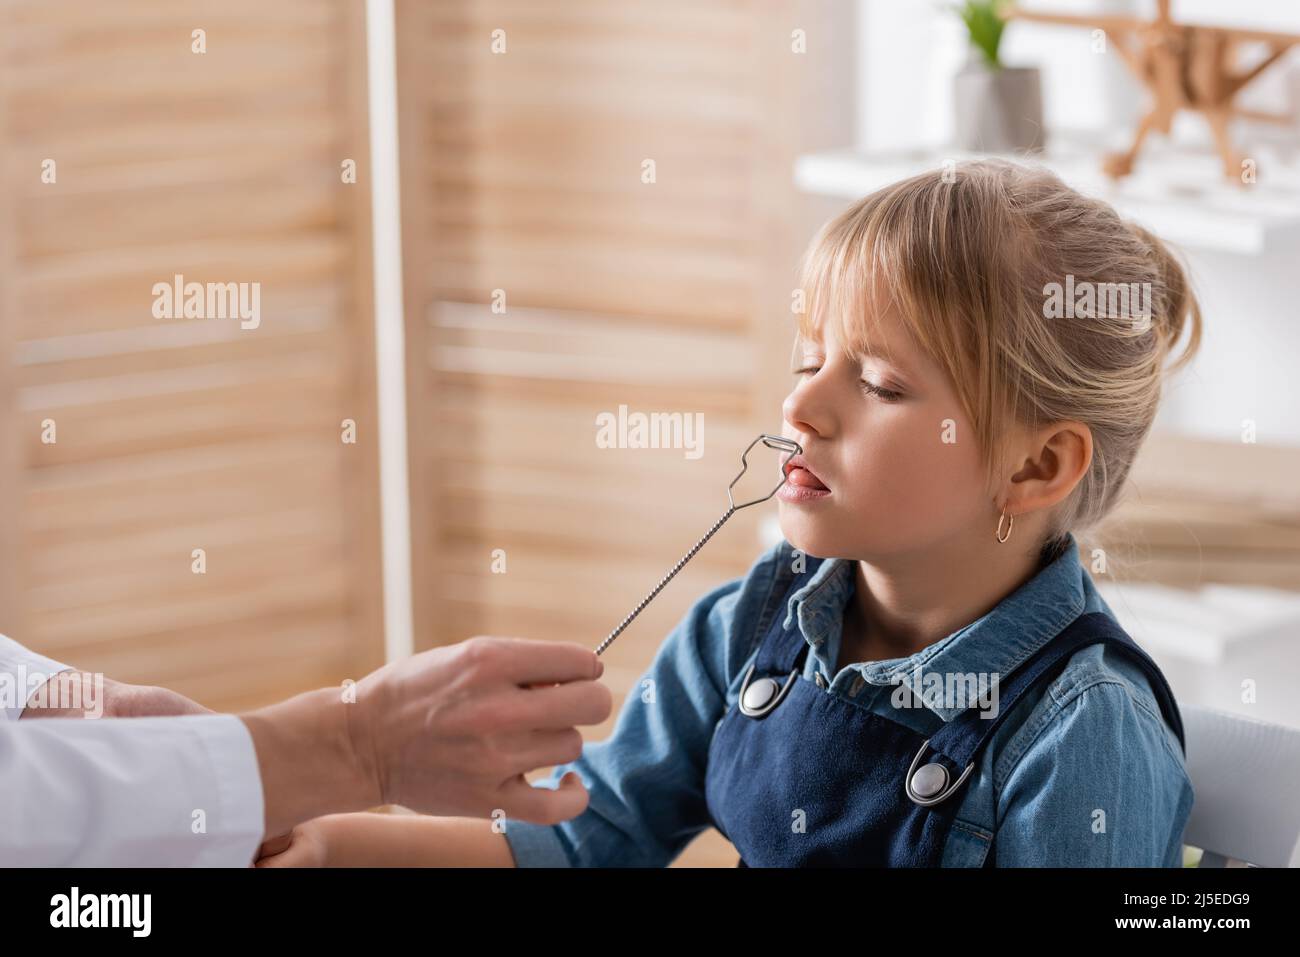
(984, 25)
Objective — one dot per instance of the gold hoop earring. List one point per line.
(998, 533)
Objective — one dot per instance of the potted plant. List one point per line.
(999, 109)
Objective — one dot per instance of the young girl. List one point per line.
(979, 361)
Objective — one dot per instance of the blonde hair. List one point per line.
(966, 258)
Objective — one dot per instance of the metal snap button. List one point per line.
(927, 785)
(760, 693)
(929, 780)
(759, 698)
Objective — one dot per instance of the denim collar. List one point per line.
(995, 643)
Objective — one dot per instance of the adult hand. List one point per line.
(450, 731)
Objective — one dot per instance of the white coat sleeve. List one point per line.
(17, 666)
(135, 792)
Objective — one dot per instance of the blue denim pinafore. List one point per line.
(872, 791)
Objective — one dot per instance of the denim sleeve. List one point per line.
(1099, 785)
(646, 781)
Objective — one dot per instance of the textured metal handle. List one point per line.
(665, 580)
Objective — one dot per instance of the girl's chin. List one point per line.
(804, 535)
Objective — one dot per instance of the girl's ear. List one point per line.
(1058, 458)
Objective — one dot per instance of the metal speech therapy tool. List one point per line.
(772, 442)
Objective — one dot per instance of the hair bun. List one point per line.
(1176, 305)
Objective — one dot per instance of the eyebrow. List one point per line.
(903, 366)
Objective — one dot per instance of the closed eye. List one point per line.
(880, 392)
(885, 395)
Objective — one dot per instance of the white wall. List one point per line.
(1247, 368)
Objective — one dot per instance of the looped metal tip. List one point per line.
(772, 442)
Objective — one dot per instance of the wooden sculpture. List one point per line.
(1185, 67)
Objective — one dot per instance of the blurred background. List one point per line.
(478, 226)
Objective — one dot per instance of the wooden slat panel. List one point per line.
(177, 434)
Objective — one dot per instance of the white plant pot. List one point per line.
(998, 111)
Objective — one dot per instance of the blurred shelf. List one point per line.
(1206, 625)
(1226, 647)
(1179, 194)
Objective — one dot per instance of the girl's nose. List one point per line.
(801, 410)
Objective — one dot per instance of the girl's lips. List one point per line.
(797, 472)
(801, 476)
(799, 494)
(800, 484)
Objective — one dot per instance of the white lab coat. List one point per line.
(124, 792)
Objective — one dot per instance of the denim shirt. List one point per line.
(1084, 772)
